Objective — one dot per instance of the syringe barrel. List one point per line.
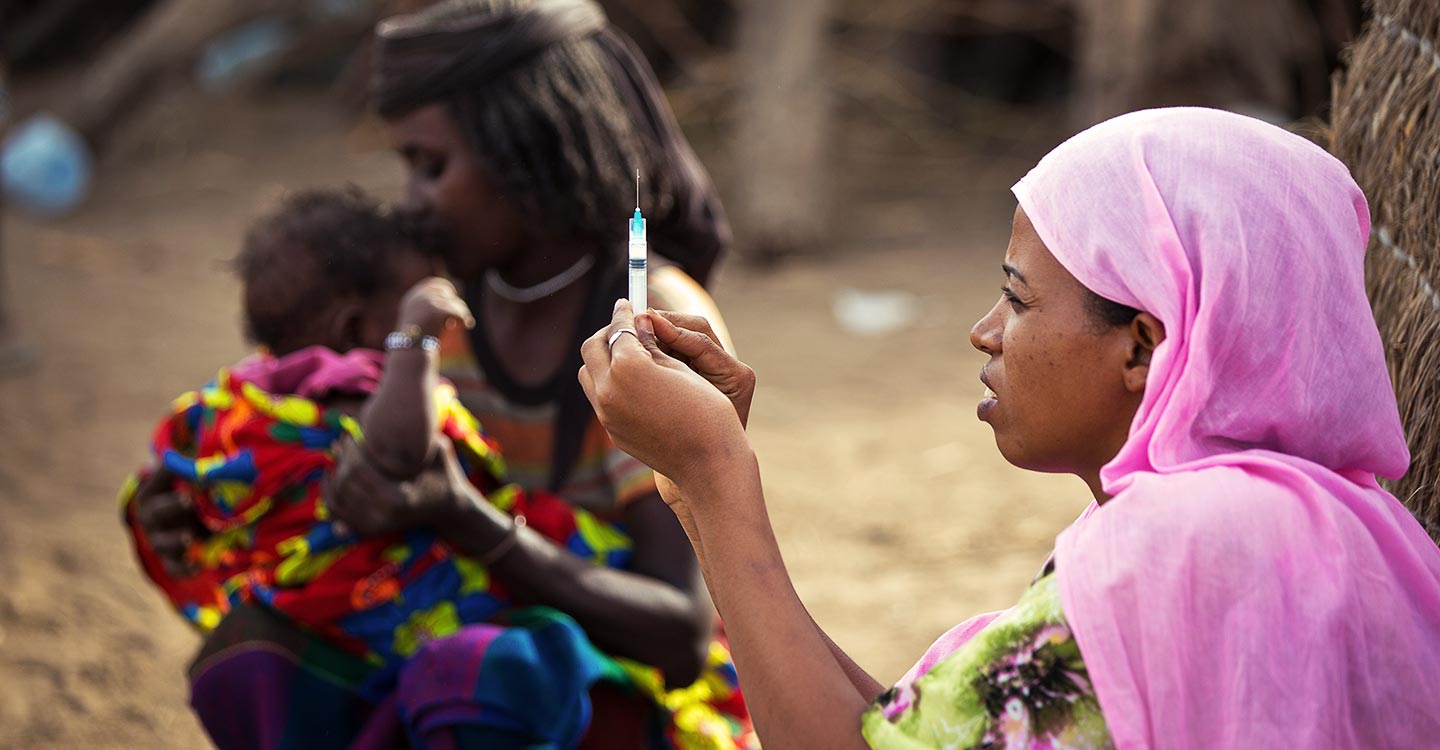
(638, 281)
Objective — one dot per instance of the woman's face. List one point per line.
(479, 228)
(1065, 384)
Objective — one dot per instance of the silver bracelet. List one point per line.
(501, 549)
(411, 338)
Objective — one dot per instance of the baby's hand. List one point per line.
(433, 306)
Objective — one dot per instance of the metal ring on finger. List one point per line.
(618, 333)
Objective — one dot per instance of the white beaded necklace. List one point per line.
(528, 294)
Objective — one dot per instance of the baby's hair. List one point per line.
(317, 249)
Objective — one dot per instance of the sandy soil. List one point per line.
(897, 516)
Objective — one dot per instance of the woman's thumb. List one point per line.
(645, 330)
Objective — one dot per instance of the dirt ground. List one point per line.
(896, 514)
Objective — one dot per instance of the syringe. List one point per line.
(638, 300)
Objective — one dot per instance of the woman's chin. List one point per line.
(1010, 449)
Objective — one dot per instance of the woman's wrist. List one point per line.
(726, 455)
(723, 485)
(474, 527)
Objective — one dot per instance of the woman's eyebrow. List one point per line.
(414, 144)
(1011, 272)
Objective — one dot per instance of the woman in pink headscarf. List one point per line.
(1184, 326)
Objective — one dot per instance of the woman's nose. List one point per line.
(417, 198)
(985, 334)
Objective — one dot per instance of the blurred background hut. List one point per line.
(787, 81)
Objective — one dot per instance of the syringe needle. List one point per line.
(638, 283)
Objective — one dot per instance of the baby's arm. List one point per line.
(399, 422)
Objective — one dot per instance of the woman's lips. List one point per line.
(987, 402)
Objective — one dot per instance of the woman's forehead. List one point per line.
(430, 125)
(1025, 248)
(1029, 261)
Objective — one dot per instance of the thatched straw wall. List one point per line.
(1386, 127)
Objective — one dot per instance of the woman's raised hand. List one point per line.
(669, 395)
(690, 339)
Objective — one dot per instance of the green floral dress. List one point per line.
(1018, 683)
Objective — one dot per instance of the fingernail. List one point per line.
(643, 324)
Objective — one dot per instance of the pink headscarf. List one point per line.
(1249, 584)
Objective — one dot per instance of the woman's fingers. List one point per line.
(693, 342)
(629, 348)
(352, 504)
(683, 322)
(172, 542)
(164, 510)
(367, 502)
(167, 520)
(158, 482)
(587, 382)
(645, 333)
(171, 545)
(598, 351)
(346, 482)
(158, 505)
(701, 349)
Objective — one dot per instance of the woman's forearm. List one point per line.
(795, 681)
(624, 613)
(864, 683)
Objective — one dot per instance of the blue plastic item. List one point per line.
(241, 51)
(342, 9)
(45, 166)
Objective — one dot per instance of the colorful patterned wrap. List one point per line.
(1017, 682)
(253, 461)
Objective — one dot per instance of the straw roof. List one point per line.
(1386, 127)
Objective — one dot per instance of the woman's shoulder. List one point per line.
(1018, 681)
(1253, 517)
(673, 290)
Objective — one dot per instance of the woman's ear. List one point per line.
(1146, 332)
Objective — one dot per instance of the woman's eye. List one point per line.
(430, 167)
(424, 163)
(1011, 298)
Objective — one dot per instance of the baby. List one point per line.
(330, 281)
